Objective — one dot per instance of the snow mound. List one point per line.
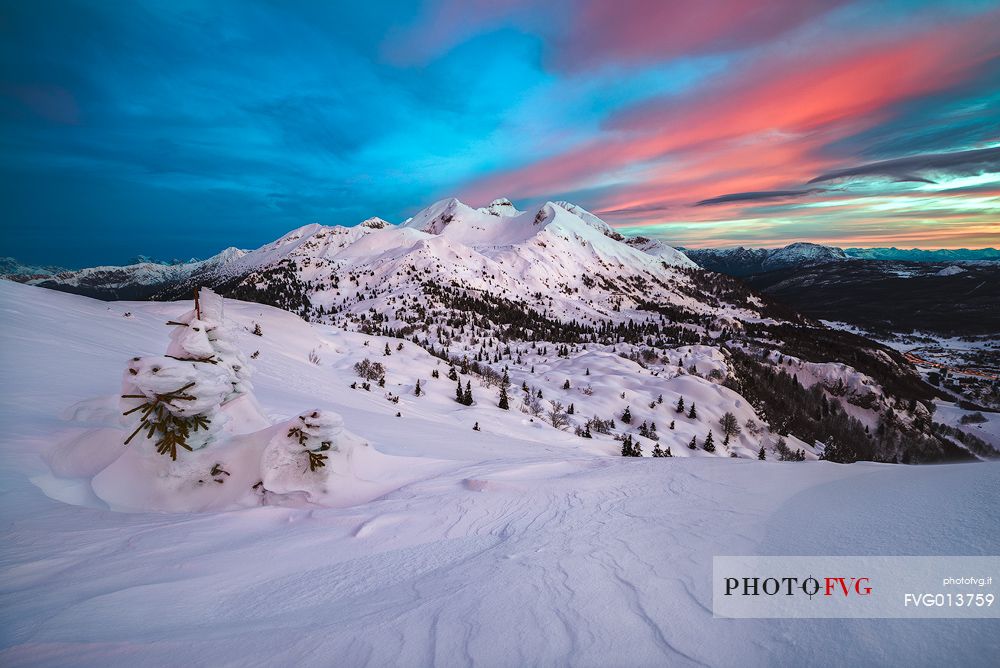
(197, 440)
(950, 271)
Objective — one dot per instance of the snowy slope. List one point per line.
(517, 544)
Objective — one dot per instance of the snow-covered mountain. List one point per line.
(559, 249)
(741, 261)
(497, 290)
(558, 260)
(10, 267)
(134, 281)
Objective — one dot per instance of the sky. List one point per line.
(173, 128)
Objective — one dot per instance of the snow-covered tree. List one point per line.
(297, 458)
(175, 400)
(557, 415)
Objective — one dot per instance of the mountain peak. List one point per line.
(439, 215)
(501, 206)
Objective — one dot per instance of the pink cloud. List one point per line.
(756, 129)
(649, 30)
(583, 33)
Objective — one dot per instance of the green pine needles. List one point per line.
(157, 419)
(317, 459)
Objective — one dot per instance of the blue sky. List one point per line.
(177, 128)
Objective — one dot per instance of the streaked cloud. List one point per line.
(922, 168)
(178, 128)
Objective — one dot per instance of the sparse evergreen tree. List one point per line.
(452, 374)
(387, 351)
(459, 395)
(467, 397)
(417, 391)
(709, 445)
(680, 405)
(475, 427)
(693, 413)
(566, 384)
(369, 370)
(761, 455)
(657, 452)
(627, 415)
(571, 409)
(671, 424)
(504, 402)
(693, 445)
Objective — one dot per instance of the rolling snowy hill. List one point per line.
(513, 544)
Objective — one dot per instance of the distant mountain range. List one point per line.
(953, 292)
(741, 261)
(886, 296)
(921, 255)
(11, 267)
(140, 280)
